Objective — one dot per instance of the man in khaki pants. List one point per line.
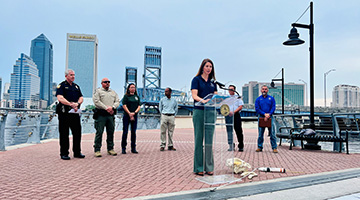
(168, 108)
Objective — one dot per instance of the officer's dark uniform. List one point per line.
(72, 93)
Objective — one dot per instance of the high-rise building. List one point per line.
(25, 83)
(346, 96)
(6, 96)
(81, 56)
(0, 90)
(130, 76)
(294, 94)
(41, 52)
(53, 91)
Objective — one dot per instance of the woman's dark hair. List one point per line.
(201, 69)
(128, 89)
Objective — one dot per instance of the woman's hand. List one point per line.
(204, 101)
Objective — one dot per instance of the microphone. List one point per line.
(218, 83)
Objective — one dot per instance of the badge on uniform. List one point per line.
(76, 87)
(58, 86)
(136, 98)
(225, 110)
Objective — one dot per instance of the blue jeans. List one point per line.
(126, 122)
(272, 137)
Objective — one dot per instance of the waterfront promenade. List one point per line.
(37, 172)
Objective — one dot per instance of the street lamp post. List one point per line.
(306, 91)
(325, 74)
(294, 40)
(272, 84)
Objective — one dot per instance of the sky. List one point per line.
(242, 37)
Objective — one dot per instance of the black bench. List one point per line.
(283, 133)
(318, 137)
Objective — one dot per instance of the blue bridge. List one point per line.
(151, 97)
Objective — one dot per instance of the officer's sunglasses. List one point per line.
(106, 81)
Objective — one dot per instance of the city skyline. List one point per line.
(244, 39)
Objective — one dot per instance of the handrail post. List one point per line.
(336, 128)
(337, 132)
(2, 130)
(34, 138)
(356, 122)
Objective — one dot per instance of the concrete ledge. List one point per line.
(18, 146)
(270, 186)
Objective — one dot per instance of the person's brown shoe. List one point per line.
(258, 150)
(275, 151)
(171, 149)
(97, 154)
(112, 152)
(162, 148)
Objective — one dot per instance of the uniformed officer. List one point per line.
(70, 97)
(106, 102)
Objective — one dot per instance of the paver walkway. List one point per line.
(37, 172)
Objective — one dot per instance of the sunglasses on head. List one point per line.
(106, 81)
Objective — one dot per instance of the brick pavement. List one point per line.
(37, 172)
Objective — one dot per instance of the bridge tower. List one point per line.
(152, 69)
(130, 77)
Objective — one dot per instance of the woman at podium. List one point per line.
(201, 86)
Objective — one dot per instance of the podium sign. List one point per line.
(218, 132)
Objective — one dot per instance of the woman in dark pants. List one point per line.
(201, 85)
(131, 105)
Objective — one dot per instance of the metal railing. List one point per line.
(331, 123)
(18, 126)
(23, 125)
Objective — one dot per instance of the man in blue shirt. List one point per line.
(168, 108)
(265, 106)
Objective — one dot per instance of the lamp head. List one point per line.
(293, 38)
(272, 84)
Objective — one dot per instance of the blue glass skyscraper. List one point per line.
(25, 82)
(81, 56)
(41, 52)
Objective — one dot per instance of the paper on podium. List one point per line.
(76, 112)
(214, 100)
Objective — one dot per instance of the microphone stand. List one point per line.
(224, 88)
